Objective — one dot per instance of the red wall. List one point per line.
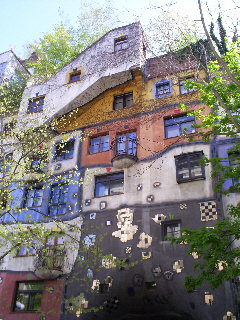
(51, 302)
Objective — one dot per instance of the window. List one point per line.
(34, 197)
(64, 150)
(36, 105)
(76, 76)
(120, 43)
(99, 144)
(28, 296)
(127, 144)
(27, 251)
(54, 252)
(234, 162)
(58, 202)
(162, 88)
(175, 126)
(8, 128)
(6, 163)
(109, 184)
(171, 229)
(38, 164)
(182, 87)
(188, 167)
(123, 101)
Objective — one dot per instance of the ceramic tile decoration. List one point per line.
(95, 285)
(145, 241)
(178, 266)
(195, 255)
(156, 184)
(168, 275)
(137, 280)
(139, 187)
(183, 206)
(108, 262)
(89, 240)
(92, 216)
(229, 316)
(150, 198)
(157, 272)
(58, 166)
(109, 280)
(108, 223)
(146, 255)
(126, 229)
(208, 298)
(159, 218)
(103, 205)
(128, 250)
(90, 273)
(208, 210)
(87, 202)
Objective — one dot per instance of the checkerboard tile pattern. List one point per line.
(208, 210)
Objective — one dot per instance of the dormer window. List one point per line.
(76, 76)
(120, 43)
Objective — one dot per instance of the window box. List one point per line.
(188, 167)
(162, 88)
(175, 126)
(64, 150)
(28, 296)
(171, 229)
(99, 144)
(123, 101)
(109, 184)
(182, 87)
(36, 104)
(120, 43)
(58, 201)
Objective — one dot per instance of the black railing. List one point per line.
(50, 258)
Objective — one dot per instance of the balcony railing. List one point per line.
(49, 262)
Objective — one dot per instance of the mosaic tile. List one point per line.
(208, 298)
(178, 266)
(137, 280)
(156, 184)
(87, 202)
(168, 275)
(183, 206)
(95, 285)
(89, 240)
(92, 216)
(109, 280)
(146, 255)
(128, 250)
(159, 218)
(103, 205)
(145, 241)
(150, 198)
(229, 316)
(108, 223)
(126, 229)
(157, 272)
(195, 255)
(108, 262)
(208, 210)
(139, 187)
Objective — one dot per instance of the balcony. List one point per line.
(49, 262)
(125, 150)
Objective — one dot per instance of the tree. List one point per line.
(65, 42)
(220, 90)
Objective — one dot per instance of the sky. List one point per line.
(23, 21)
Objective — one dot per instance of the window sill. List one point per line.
(55, 160)
(108, 195)
(98, 152)
(33, 255)
(69, 83)
(190, 180)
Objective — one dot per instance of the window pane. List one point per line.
(118, 103)
(104, 146)
(132, 145)
(64, 194)
(62, 209)
(22, 251)
(121, 144)
(94, 145)
(195, 166)
(38, 197)
(129, 100)
(172, 131)
(35, 300)
(101, 189)
(116, 186)
(183, 170)
(55, 194)
(21, 302)
(60, 241)
(188, 126)
(124, 45)
(36, 285)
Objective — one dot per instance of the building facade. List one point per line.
(122, 177)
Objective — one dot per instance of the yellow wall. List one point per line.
(101, 109)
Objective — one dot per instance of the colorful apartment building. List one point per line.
(123, 177)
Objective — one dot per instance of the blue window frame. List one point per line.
(33, 197)
(162, 88)
(58, 201)
(64, 150)
(36, 105)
